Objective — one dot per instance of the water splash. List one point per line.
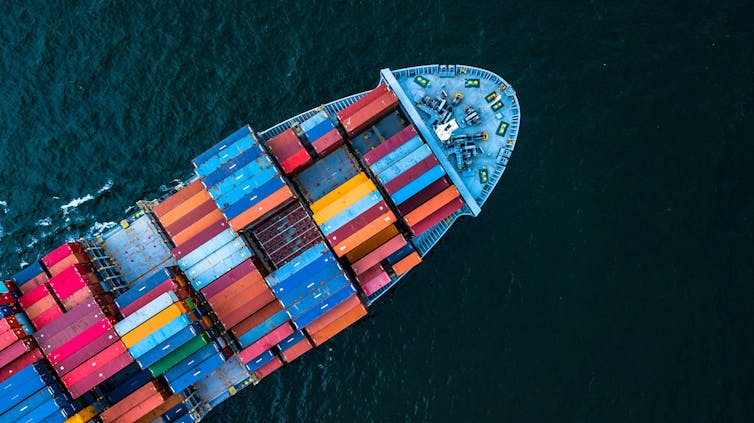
(47, 221)
(106, 187)
(76, 202)
(98, 228)
(4, 205)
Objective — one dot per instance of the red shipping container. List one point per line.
(358, 222)
(20, 363)
(88, 291)
(247, 309)
(390, 144)
(179, 197)
(255, 319)
(154, 415)
(47, 316)
(129, 402)
(333, 314)
(34, 282)
(10, 285)
(228, 278)
(437, 216)
(105, 372)
(34, 295)
(68, 262)
(266, 342)
(411, 174)
(362, 119)
(363, 101)
(15, 350)
(191, 217)
(423, 196)
(297, 350)
(200, 239)
(77, 320)
(284, 145)
(375, 283)
(241, 292)
(93, 364)
(41, 306)
(327, 143)
(379, 254)
(141, 409)
(61, 253)
(435, 203)
(72, 279)
(7, 298)
(86, 352)
(8, 323)
(80, 341)
(268, 368)
(10, 336)
(296, 162)
(370, 273)
(168, 285)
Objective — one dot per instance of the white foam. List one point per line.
(76, 202)
(98, 228)
(106, 187)
(23, 264)
(32, 243)
(5, 206)
(44, 222)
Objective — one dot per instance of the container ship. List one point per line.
(282, 239)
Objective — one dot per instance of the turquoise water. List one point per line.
(609, 277)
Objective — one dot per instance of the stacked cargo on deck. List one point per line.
(286, 233)
(33, 395)
(188, 212)
(321, 133)
(289, 152)
(17, 349)
(145, 404)
(368, 109)
(242, 179)
(224, 381)
(414, 179)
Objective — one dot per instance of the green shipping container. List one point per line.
(179, 354)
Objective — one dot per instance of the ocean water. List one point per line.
(609, 277)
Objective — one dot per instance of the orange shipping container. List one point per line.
(333, 314)
(163, 408)
(378, 254)
(369, 245)
(47, 302)
(184, 208)
(154, 323)
(179, 197)
(141, 409)
(197, 227)
(338, 192)
(422, 212)
(364, 234)
(255, 319)
(127, 403)
(261, 208)
(344, 201)
(338, 325)
(242, 311)
(241, 292)
(407, 263)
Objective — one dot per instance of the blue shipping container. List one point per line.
(317, 296)
(222, 379)
(303, 282)
(230, 183)
(221, 268)
(417, 184)
(49, 407)
(263, 329)
(247, 187)
(315, 313)
(313, 121)
(404, 164)
(206, 249)
(186, 418)
(224, 150)
(160, 335)
(188, 363)
(402, 253)
(232, 166)
(390, 158)
(253, 198)
(351, 212)
(25, 407)
(169, 345)
(260, 361)
(145, 313)
(24, 383)
(28, 273)
(204, 368)
(142, 287)
(175, 413)
(220, 254)
(321, 129)
(300, 262)
(128, 386)
(290, 341)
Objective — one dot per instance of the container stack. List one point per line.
(82, 346)
(294, 346)
(77, 283)
(33, 395)
(145, 291)
(187, 213)
(214, 258)
(368, 109)
(287, 233)
(242, 179)
(321, 133)
(289, 152)
(17, 349)
(414, 179)
(238, 294)
(144, 404)
(225, 381)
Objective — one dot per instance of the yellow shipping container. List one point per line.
(337, 192)
(344, 201)
(153, 324)
(83, 416)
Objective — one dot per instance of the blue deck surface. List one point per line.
(327, 174)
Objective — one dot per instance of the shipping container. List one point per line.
(181, 250)
(8, 323)
(437, 216)
(34, 295)
(262, 329)
(8, 337)
(15, 350)
(319, 130)
(369, 114)
(259, 209)
(229, 278)
(70, 280)
(407, 263)
(363, 234)
(266, 342)
(62, 253)
(268, 368)
(166, 286)
(85, 352)
(314, 120)
(316, 296)
(33, 282)
(36, 309)
(352, 212)
(220, 268)
(305, 319)
(28, 273)
(358, 222)
(294, 266)
(400, 254)
(404, 164)
(378, 254)
(394, 157)
(246, 309)
(257, 318)
(47, 316)
(7, 298)
(197, 227)
(285, 145)
(178, 198)
(333, 314)
(222, 382)
(338, 192)
(423, 196)
(154, 323)
(57, 409)
(296, 162)
(216, 256)
(380, 151)
(23, 384)
(240, 140)
(295, 288)
(169, 345)
(411, 174)
(141, 409)
(204, 368)
(260, 361)
(208, 248)
(105, 372)
(145, 313)
(249, 179)
(29, 404)
(297, 350)
(344, 201)
(184, 208)
(435, 203)
(243, 291)
(338, 325)
(125, 386)
(293, 339)
(130, 401)
(327, 143)
(363, 102)
(185, 357)
(176, 412)
(67, 262)
(80, 341)
(93, 364)
(166, 405)
(232, 166)
(83, 416)
(88, 291)
(373, 284)
(192, 216)
(140, 288)
(160, 335)
(414, 187)
(372, 243)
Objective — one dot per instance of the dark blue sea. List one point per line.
(610, 277)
